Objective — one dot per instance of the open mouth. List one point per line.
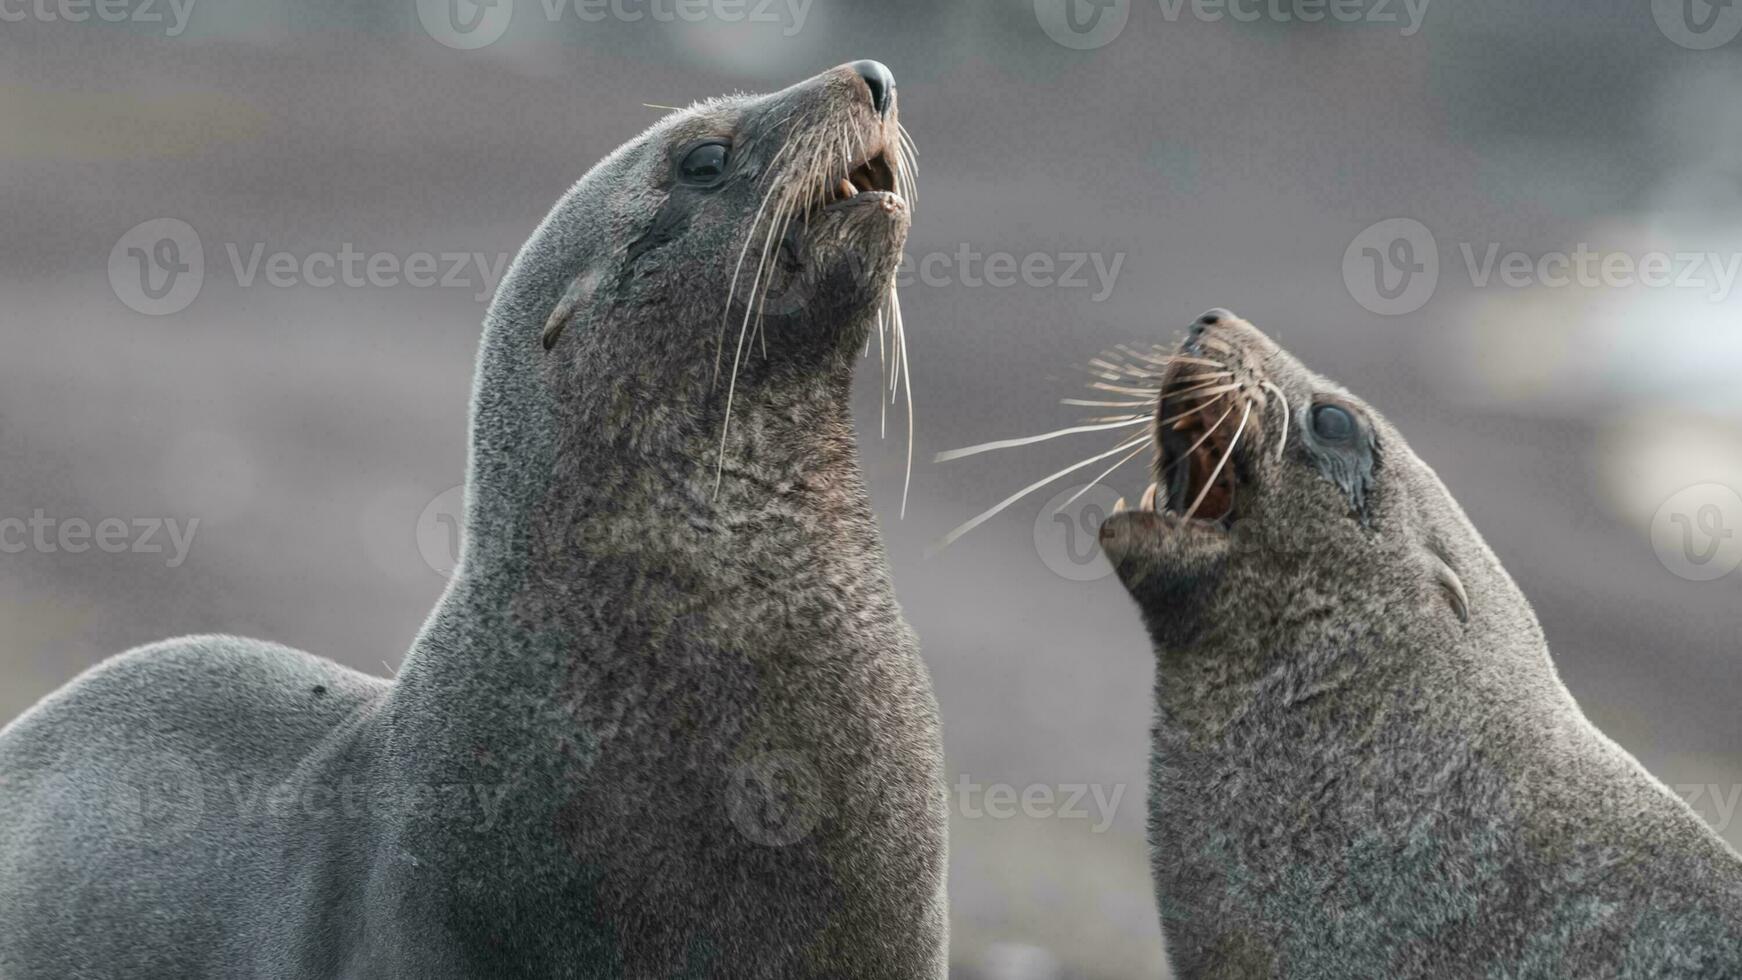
(875, 174)
(1199, 418)
(877, 177)
(1203, 405)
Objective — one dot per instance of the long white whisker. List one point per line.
(998, 508)
(882, 405)
(905, 173)
(987, 447)
(1211, 481)
(1122, 389)
(793, 206)
(895, 369)
(1282, 400)
(907, 382)
(1188, 413)
(1207, 387)
(1104, 474)
(1090, 403)
(905, 170)
(732, 287)
(1201, 439)
(1113, 366)
(738, 352)
(783, 220)
(895, 352)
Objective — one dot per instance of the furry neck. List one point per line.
(585, 549)
(615, 578)
(1359, 764)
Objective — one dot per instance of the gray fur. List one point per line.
(1349, 780)
(651, 730)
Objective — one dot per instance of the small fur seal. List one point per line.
(667, 720)
(1364, 763)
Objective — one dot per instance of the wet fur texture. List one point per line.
(652, 730)
(1348, 780)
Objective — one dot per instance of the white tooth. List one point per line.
(1119, 506)
(1148, 499)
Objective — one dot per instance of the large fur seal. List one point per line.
(1364, 764)
(667, 720)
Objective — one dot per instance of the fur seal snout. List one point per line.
(1363, 761)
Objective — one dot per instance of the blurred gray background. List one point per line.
(312, 429)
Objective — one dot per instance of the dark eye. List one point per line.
(704, 164)
(1333, 423)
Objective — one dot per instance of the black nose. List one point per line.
(880, 81)
(1210, 319)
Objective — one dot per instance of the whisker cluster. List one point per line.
(1195, 389)
(801, 177)
(1122, 370)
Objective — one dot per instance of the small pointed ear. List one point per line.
(559, 318)
(579, 291)
(1447, 579)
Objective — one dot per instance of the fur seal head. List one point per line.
(811, 179)
(721, 267)
(1280, 494)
